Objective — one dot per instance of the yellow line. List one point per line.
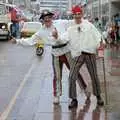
(5, 114)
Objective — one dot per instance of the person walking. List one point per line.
(98, 24)
(15, 20)
(84, 39)
(60, 53)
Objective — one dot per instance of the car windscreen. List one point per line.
(2, 9)
(32, 26)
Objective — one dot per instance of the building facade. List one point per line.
(103, 9)
(51, 4)
(25, 3)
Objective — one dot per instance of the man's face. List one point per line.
(47, 21)
(77, 17)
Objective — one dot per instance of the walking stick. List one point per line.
(101, 55)
(105, 83)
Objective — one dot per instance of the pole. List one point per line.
(109, 4)
(60, 8)
(6, 1)
(99, 14)
(101, 55)
(101, 10)
(92, 8)
(105, 83)
(13, 2)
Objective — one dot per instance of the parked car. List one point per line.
(29, 28)
(4, 32)
(4, 20)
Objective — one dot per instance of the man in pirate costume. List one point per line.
(84, 39)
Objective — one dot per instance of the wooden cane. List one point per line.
(101, 55)
(105, 83)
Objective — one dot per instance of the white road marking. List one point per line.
(5, 114)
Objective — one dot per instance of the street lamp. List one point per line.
(6, 1)
(109, 4)
(60, 8)
(99, 8)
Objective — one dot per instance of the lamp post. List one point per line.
(99, 8)
(13, 1)
(109, 5)
(6, 1)
(69, 4)
(60, 9)
(92, 8)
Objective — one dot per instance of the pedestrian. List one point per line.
(98, 24)
(84, 39)
(15, 20)
(60, 53)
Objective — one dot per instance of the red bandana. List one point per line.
(76, 9)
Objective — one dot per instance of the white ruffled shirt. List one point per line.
(86, 40)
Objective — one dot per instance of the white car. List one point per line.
(4, 33)
(4, 19)
(29, 28)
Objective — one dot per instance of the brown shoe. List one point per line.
(73, 104)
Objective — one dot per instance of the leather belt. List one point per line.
(86, 53)
(59, 46)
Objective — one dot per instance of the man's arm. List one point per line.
(27, 41)
(98, 37)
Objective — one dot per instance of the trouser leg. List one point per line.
(81, 82)
(13, 30)
(92, 69)
(57, 70)
(17, 30)
(73, 75)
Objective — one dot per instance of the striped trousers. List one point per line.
(57, 63)
(90, 61)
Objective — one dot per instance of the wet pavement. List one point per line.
(34, 101)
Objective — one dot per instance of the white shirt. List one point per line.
(86, 40)
(45, 34)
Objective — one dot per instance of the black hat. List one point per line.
(46, 13)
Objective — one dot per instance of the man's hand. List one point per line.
(55, 33)
(102, 45)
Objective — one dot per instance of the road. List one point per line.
(19, 65)
(26, 88)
